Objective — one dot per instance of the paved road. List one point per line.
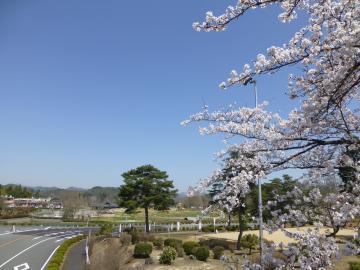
(32, 247)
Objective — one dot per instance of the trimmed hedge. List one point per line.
(59, 256)
(142, 250)
(202, 253)
(189, 247)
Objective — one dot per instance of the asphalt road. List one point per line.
(32, 247)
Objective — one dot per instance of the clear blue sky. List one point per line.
(90, 89)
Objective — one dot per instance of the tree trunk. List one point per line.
(335, 231)
(241, 227)
(229, 220)
(147, 219)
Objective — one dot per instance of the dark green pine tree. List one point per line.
(146, 187)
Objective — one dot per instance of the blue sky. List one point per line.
(90, 89)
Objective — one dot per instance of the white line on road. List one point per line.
(24, 266)
(37, 237)
(59, 240)
(31, 230)
(21, 252)
(48, 259)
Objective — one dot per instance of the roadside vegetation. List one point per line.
(59, 256)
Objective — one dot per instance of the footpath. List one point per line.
(76, 259)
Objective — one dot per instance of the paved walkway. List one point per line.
(75, 259)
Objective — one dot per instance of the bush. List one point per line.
(142, 250)
(202, 253)
(172, 242)
(125, 239)
(158, 243)
(218, 252)
(232, 228)
(189, 246)
(106, 228)
(146, 237)
(168, 255)
(354, 265)
(249, 241)
(211, 243)
(134, 236)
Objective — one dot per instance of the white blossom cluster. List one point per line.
(317, 136)
(333, 210)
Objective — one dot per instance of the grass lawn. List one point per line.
(171, 215)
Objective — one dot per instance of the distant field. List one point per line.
(119, 215)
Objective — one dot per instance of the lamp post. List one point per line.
(261, 235)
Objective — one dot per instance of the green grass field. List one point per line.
(154, 215)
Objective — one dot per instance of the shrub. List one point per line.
(158, 243)
(249, 241)
(232, 228)
(106, 228)
(142, 250)
(211, 243)
(125, 239)
(189, 246)
(208, 228)
(168, 255)
(354, 265)
(146, 237)
(202, 253)
(134, 236)
(172, 242)
(218, 252)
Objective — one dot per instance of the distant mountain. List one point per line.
(96, 195)
(77, 189)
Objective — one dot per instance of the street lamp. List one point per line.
(261, 235)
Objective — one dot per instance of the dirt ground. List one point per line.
(278, 236)
(179, 264)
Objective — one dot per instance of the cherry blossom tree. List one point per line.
(320, 135)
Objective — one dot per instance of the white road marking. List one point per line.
(23, 266)
(37, 237)
(18, 231)
(21, 252)
(48, 259)
(59, 240)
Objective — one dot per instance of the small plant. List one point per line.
(189, 246)
(218, 252)
(168, 255)
(249, 241)
(142, 250)
(202, 253)
(158, 243)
